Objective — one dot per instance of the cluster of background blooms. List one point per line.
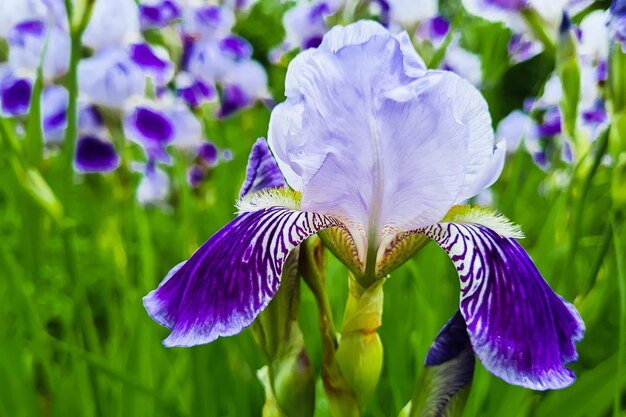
(154, 68)
(154, 91)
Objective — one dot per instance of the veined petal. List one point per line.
(262, 171)
(230, 279)
(520, 329)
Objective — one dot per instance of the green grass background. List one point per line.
(76, 341)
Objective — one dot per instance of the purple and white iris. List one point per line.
(380, 155)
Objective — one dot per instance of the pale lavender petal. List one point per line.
(152, 129)
(109, 78)
(463, 63)
(424, 138)
(26, 41)
(113, 24)
(520, 329)
(95, 155)
(232, 277)
(513, 128)
(208, 62)
(157, 65)
(407, 13)
(54, 101)
(262, 171)
(158, 15)
(154, 187)
(188, 132)
(90, 120)
(15, 95)
(250, 77)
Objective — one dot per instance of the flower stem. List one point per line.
(341, 399)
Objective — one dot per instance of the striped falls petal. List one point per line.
(232, 277)
(519, 328)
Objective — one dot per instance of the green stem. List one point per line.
(341, 399)
(577, 216)
(621, 283)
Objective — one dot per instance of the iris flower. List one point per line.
(377, 152)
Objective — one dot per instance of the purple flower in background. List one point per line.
(109, 78)
(208, 21)
(551, 124)
(305, 25)
(193, 90)
(236, 47)
(245, 83)
(95, 155)
(15, 93)
(158, 14)
(54, 102)
(26, 41)
(425, 144)
(152, 129)
(435, 30)
(154, 62)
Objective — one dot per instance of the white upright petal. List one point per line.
(368, 139)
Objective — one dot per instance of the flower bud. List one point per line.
(360, 351)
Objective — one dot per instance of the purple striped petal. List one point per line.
(520, 329)
(15, 95)
(262, 171)
(95, 155)
(230, 279)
